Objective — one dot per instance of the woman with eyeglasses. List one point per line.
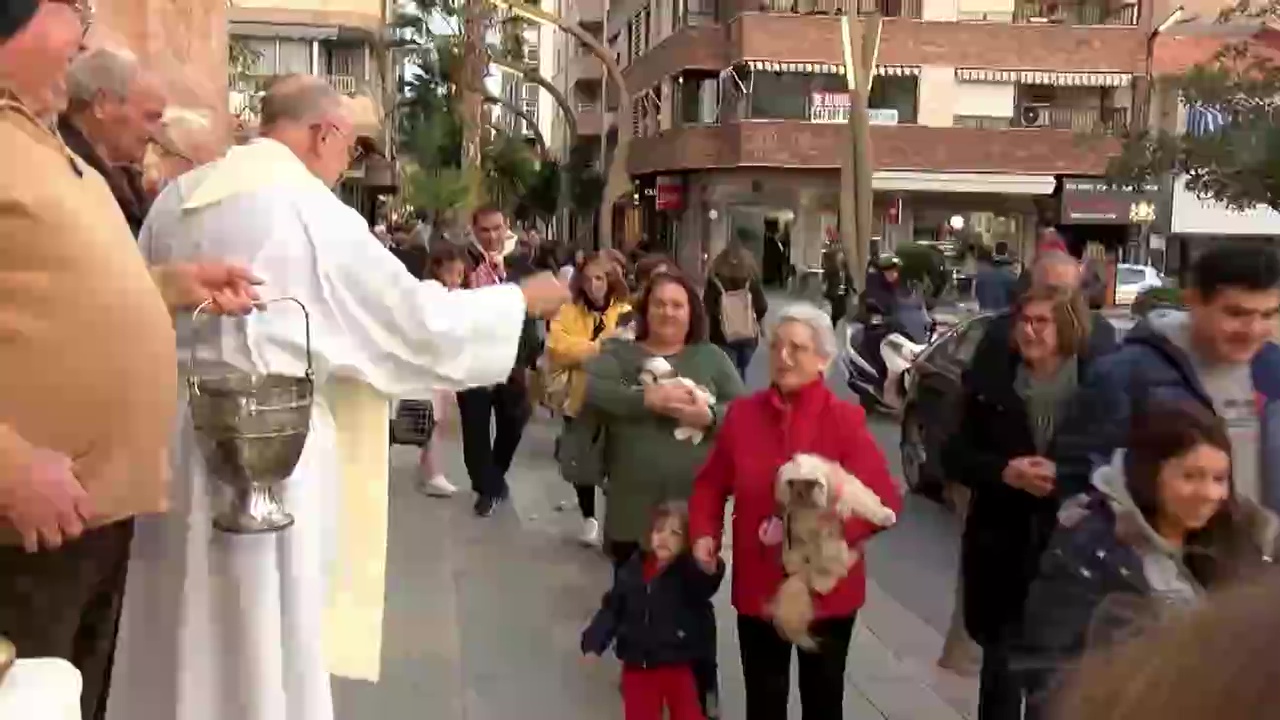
(1013, 397)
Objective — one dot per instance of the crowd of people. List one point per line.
(1114, 487)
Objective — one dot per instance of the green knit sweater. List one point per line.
(644, 462)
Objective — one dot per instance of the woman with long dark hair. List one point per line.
(1161, 528)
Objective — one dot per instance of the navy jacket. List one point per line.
(667, 620)
(1149, 367)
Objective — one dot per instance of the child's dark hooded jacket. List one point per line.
(656, 617)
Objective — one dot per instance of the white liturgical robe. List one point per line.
(248, 627)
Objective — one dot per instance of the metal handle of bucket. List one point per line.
(195, 318)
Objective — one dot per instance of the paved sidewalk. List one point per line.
(483, 617)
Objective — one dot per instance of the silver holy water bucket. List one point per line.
(251, 430)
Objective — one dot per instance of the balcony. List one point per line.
(1050, 12)
(585, 66)
(887, 8)
(590, 120)
(820, 146)
(585, 11)
(345, 84)
(1108, 121)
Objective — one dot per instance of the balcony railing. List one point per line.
(887, 8)
(345, 84)
(1111, 121)
(1081, 13)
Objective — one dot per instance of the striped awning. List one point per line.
(1045, 77)
(774, 66)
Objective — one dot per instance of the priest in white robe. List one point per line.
(219, 626)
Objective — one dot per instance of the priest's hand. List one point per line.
(544, 294)
(230, 288)
(43, 500)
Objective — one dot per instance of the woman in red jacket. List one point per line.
(796, 414)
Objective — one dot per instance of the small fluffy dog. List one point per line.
(657, 371)
(816, 496)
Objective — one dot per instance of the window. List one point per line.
(530, 92)
(530, 108)
(294, 57)
(698, 98)
(531, 53)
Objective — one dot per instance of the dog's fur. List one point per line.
(657, 371)
(816, 496)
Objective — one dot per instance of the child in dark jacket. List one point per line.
(656, 617)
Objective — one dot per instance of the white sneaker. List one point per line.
(437, 486)
(590, 532)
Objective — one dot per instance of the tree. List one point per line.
(452, 43)
(1237, 161)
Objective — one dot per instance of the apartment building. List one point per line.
(580, 76)
(1002, 113)
(532, 100)
(1186, 223)
(342, 42)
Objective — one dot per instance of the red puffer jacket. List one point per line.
(758, 435)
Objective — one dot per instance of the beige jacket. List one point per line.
(87, 355)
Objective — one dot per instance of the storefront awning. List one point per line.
(942, 182)
(1045, 77)
(828, 68)
(281, 30)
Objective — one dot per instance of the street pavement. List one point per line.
(483, 615)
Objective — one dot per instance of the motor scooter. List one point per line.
(879, 351)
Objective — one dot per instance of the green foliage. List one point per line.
(1161, 297)
(541, 199)
(586, 183)
(431, 131)
(1238, 164)
(923, 266)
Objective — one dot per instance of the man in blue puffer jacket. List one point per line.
(1218, 354)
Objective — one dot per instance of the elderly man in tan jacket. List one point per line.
(88, 382)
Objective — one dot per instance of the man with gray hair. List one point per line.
(114, 110)
(250, 626)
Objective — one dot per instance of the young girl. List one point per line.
(658, 618)
(1161, 529)
(447, 266)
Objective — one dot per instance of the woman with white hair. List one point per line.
(797, 413)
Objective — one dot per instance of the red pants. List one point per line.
(645, 691)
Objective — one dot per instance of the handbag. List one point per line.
(414, 423)
(580, 450)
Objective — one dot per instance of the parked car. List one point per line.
(1133, 280)
(933, 402)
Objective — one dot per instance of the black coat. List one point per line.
(667, 620)
(1006, 529)
(125, 187)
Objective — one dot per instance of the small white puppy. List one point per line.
(657, 371)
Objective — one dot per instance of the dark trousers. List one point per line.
(586, 493)
(66, 603)
(492, 419)
(706, 672)
(999, 688)
(766, 669)
(740, 352)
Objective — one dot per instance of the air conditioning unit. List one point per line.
(1033, 116)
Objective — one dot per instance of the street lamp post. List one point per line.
(617, 181)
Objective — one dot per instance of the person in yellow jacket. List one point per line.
(600, 298)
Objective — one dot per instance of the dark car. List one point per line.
(932, 406)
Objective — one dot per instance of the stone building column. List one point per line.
(184, 43)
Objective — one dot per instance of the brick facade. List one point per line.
(795, 144)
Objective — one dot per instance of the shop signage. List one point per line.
(833, 107)
(669, 192)
(1092, 201)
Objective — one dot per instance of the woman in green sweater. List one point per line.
(644, 462)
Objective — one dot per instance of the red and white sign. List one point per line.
(670, 192)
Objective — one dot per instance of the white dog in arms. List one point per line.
(657, 371)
